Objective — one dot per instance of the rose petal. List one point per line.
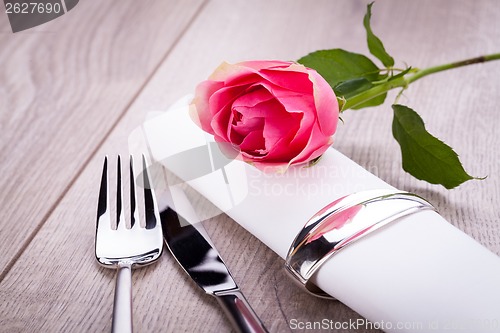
(229, 73)
(296, 103)
(226, 71)
(294, 142)
(202, 115)
(257, 94)
(327, 106)
(295, 81)
(279, 124)
(224, 97)
(253, 143)
(260, 64)
(220, 109)
(240, 131)
(317, 144)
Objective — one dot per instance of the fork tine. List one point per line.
(150, 206)
(119, 196)
(133, 196)
(103, 201)
(123, 248)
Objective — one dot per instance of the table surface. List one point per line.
(73, 89)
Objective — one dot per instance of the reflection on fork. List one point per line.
(125, 248)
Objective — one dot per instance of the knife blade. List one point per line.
(196, 254)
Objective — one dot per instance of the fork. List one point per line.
(126, 248)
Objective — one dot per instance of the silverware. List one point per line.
(343, 222)
(195, 252)
(126, 248)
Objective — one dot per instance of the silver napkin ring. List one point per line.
(343, 222)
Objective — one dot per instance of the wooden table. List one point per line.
(73, 89)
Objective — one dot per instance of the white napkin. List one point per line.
(419, 274)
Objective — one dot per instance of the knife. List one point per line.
(195, 252)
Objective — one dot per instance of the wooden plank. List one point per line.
(54, 293)
(63, 87)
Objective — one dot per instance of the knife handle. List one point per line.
(240, 313)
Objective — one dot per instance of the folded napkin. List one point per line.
(417, 274)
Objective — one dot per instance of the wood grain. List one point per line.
(63, 87)
(61, 293)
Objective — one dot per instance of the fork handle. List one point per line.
(122, 308)
(242, 316)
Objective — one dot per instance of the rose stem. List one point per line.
(406, 80)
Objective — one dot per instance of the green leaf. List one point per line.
(353, 87)
(378, 100)
(337, 65)
(424, 156)
(374, 43)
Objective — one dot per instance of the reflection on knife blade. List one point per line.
(195, 252)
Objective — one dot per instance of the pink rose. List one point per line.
(274, 113)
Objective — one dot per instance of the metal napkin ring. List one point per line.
(343, 222)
